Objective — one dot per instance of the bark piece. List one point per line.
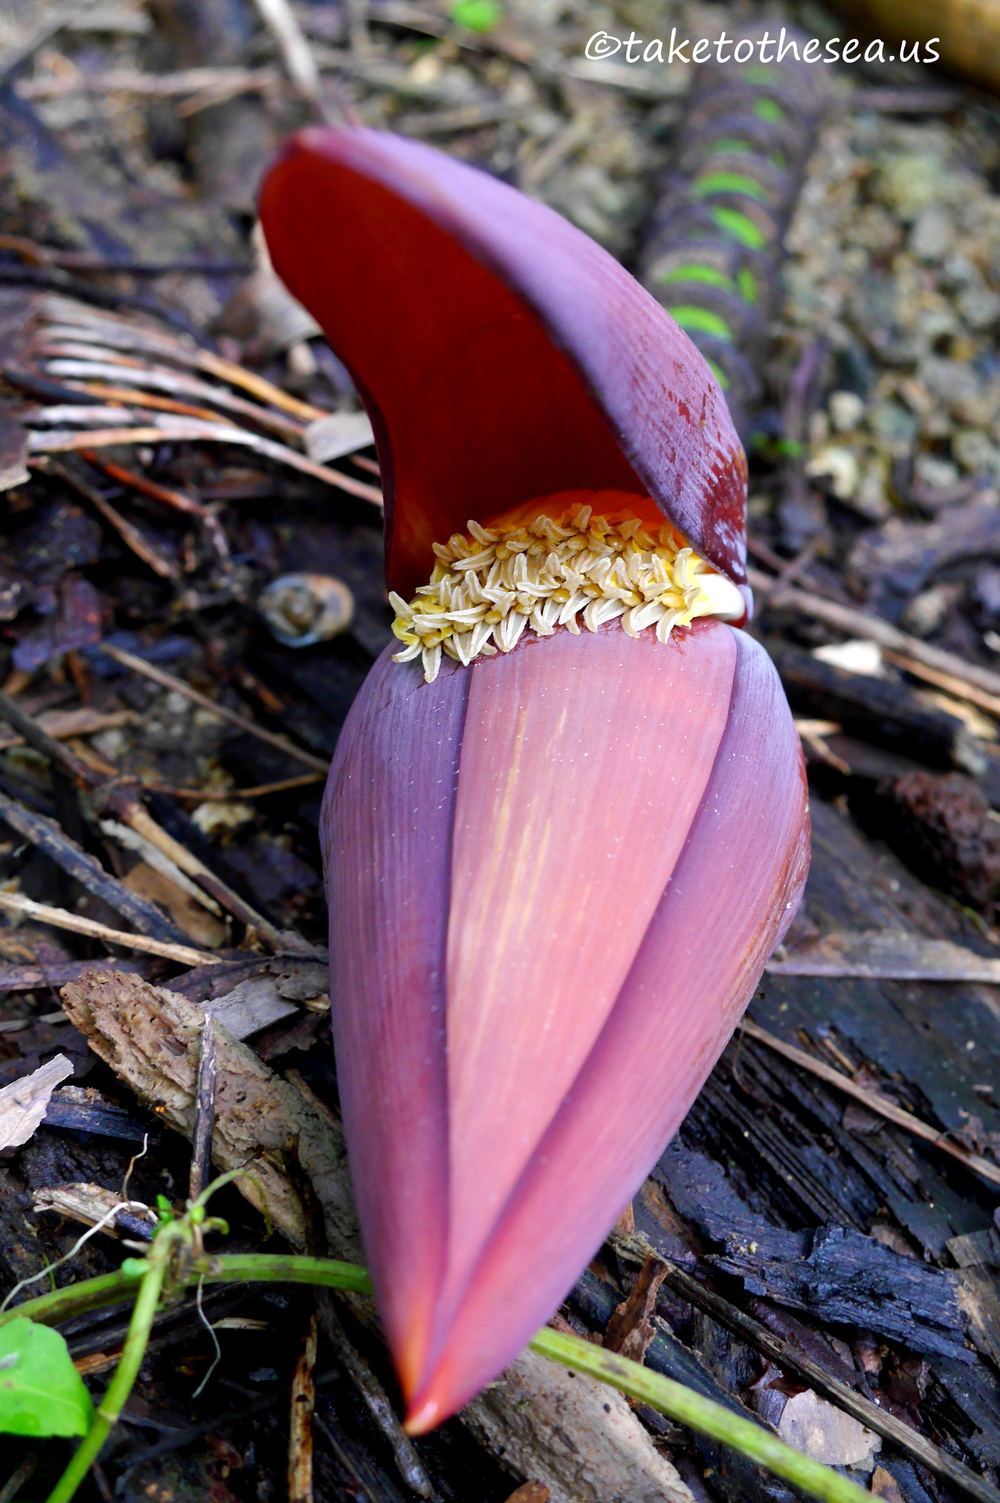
(942, 827)
(151, 1038)
(630, 1330)
(575, 1436)
(887, 714)
(838, 1275)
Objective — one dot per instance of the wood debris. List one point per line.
(23, 1104)
(151, 1039)
(300, 1439)
(569, 1433)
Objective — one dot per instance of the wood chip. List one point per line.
(631, 1329)
(251, 1006)
(23, 1104)
(573, 1435)
(812, 1425)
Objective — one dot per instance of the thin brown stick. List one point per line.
(153, 557)
(168, 496)
(148, 85)
(102, 328)
(90, 362)
(110, 791)
(47, 836)
(177, 499)
(204, 1111)
(407, 1459)
(947, 681)
(133, 397)
(60, 918)
(224, 795)
(876, 1102)
(266, 391)
(64, 724)
(856, 623)
(193, 430)
(296, 53)
(181, 686)
(300, 1440)
(65, 441)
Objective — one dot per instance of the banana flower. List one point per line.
(566, 820)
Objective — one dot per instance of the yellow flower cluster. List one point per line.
(493, 583)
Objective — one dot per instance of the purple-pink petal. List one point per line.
(734, 890)
(584, 760)
(388, 817)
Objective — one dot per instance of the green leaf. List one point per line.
(41, 1392)
(475, 15)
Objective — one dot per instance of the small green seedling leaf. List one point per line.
(475, 15)
(41, 1392)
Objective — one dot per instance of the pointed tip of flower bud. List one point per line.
(424, 1415)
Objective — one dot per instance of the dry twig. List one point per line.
(117, 796)
(876, 1102)
(300, 1438)
(61, 918)
(857, 623)
(77, 863)
(168, 681)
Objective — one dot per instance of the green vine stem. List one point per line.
(118, 1390)
(698, 1413)
(230, 1268)
(670, 1398)
(74, 1299)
